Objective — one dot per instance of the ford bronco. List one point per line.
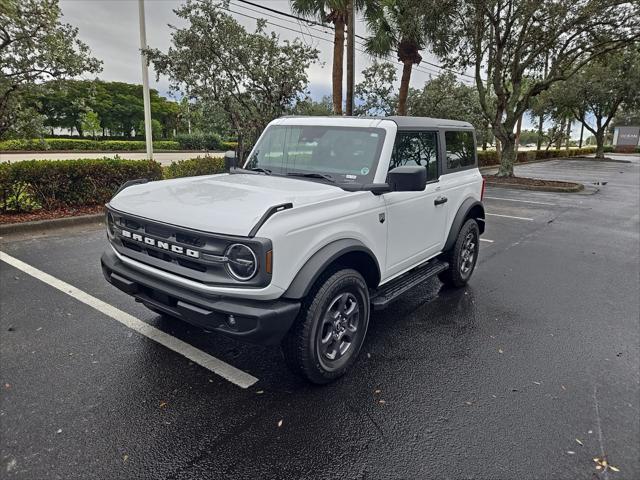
(326, 220)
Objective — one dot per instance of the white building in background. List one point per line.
(626, 138)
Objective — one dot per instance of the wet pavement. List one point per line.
(532, 371)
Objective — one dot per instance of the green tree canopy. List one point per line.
(253, 77)
(508, 44)
(445, 97)
(34, 46)
(596, 93)
(375, 95)
(397, 27)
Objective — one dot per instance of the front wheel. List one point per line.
(330, 329)
(463, 256)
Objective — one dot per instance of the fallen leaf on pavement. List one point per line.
(579, 442)
(279, 423)
(500, 350)
(377, 391)
(163, 404)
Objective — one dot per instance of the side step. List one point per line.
(396, 287)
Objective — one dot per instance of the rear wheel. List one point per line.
(330, 329)
(463, 256)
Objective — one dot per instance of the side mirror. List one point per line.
(230, 160)
(407, 179)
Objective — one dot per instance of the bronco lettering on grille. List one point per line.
(160, 244)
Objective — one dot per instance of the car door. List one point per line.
(416, 219)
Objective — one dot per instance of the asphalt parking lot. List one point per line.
(532, 371)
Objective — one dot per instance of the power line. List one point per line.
(360, 37)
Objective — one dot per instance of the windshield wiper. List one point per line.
(266, 171)
(328, 178)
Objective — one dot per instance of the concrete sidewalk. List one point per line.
(164, 158)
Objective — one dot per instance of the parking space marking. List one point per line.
(234, 375)
(510, 216)
(486, 240)
(521, 201)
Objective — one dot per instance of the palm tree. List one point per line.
(336, 12)
(396, 27)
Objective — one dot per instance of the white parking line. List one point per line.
(226, 371)
(510, 216)
(486, 240)
(521, 201)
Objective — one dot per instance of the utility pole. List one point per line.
(148, 132)
(351, 54)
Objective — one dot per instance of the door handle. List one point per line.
(440, 200)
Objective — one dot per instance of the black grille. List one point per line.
(158, 251)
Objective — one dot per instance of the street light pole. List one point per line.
(148, 132)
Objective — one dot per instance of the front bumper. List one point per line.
(255, 321)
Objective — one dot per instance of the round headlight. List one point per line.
(241, 262)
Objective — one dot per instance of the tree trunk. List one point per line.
(404, 87)
(581, 134)
(518, 131)
(350, 59)
(600, 143)
(568, 144)
(338, 59)
(507, 154)
(559, 139)
(540, 127)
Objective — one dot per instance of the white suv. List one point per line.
(328, 218)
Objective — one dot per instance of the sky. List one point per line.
(110, 28)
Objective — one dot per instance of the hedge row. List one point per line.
(83, 144)
(181, 142)
(490, 157)
(194, 167)
(50, 184)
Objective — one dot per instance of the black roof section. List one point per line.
(405, 123)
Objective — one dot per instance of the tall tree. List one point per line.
(35, 46)
(374, 95)
(445, 97)
(594, 95)
(253, 77)
(396, 27)
(513, 37)
(336, 12)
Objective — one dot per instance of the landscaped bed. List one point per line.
(526, 183)
(35, 190)
(6, 218)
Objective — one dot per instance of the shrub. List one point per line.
(84, 144)
(489, 157)
(194, 167)
(64, 183)
(199, 141)
(229, 145)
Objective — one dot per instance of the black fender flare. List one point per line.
(319, 261)
(470, 208)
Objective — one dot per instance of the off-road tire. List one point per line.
(454, 275)
(301, 348)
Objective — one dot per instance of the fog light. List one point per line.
(231, 321)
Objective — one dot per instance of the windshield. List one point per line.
(344, 154)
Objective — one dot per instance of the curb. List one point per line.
(578, 187)
(40, 225)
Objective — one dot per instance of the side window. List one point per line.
(460, 149)
(416, 148)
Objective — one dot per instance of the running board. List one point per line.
(396, 287)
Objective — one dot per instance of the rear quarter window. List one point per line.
(460, 149)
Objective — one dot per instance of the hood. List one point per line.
(226, 204)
